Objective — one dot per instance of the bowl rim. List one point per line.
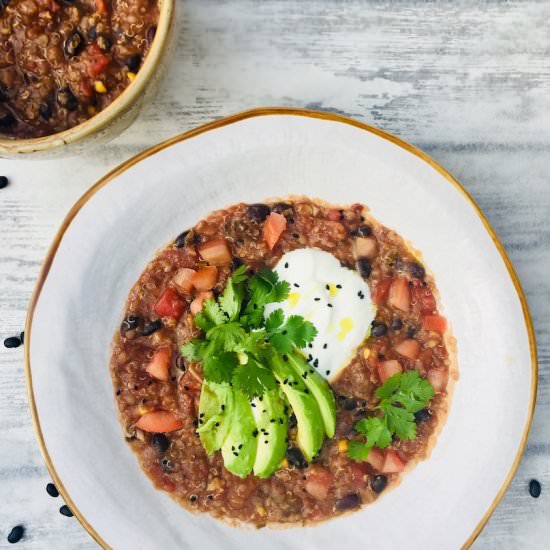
(220, 123)
(121, 103)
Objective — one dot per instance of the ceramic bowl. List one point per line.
(115, 118)
(116, 227)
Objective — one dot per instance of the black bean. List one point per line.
(422, 415)
(51, 489)
(258, 212)
(66, 99)
(379, 329)
(160, 443)
(364, 231)
(3, 89)
(103, 42)
(74, 44)
(416, 270)
(65, 511)
(152, 327)
(6, 119)
(16, 534)
(130, 323)
(349, 502)
(92, 34)
(133, 63)
(411, 331)
(12, 342)
(236, 262)
(535, 488)
(397, 324)
(181, 239)
(364, 267)
(45, 111)
(283, 208)
(150, 33)
(379, 483)
(4, 181)
(296, 458)
(348, 403)
(167, 465)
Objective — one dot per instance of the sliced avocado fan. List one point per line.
(271, 427)
(311, 431)
(215, 405)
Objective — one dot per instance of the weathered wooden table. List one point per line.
(468, 82)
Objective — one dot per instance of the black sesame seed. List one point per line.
(12, 342)
(266, 441)
(217, 424)
(16, 534)
(181, 239)
(252, 404)
(535, 488)
(4, 181)
(296, 285)
(65, 511)
(379, 483)
(152, 327)
(327, 372)
(329, 305)
(51, 489)
(240, 446)
(338, 286)
(281, 421)
(325, 346)
(316, 363)
(316, 299)
(286, 265)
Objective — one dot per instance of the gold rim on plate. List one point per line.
(269, 111)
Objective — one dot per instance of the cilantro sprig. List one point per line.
(238, 342)
(400, 396)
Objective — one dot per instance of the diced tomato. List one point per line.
(54, 6)
(438, 379)
(376, 458)
(182, 279)
(386, 369)
(333, 215)
(96, 60)
(400, 296)
(170, 304)
(319, 481)
(392, 463)
(102, 7)
(198, 302)
(216, 252)
(273, 228)
(424, 297)
(364, 247)
(159, 422)
(205, 278)
(381, 291)
(408, 348)
(159, 366)
(437, 323)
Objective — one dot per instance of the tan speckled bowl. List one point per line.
(110, 122)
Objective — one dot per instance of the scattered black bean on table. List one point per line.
(16, 534)
(535, 488)
(65, 511)
(4, 181)
(12, 342)
(51, 489)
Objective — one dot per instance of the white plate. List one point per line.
(115, 229)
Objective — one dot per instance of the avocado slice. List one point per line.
(271, 425)
(311, 431)
(239, 447)
(214, 413)
(319, 388)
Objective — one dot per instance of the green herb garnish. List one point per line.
(400, 396)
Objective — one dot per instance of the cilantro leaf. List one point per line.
(296, 332)
(232, 297)
(264, 288)
(225, 337)
(220, 368)
(193, 350)
(275, 320)
(400, 396)
(253, 379)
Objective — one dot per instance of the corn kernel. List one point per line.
(432, 343)
(366, 353)
(131, 76)
(261, 511)
(143, 409)
(91, 110)
(284, 463)
(343, 445)
(99, 87)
